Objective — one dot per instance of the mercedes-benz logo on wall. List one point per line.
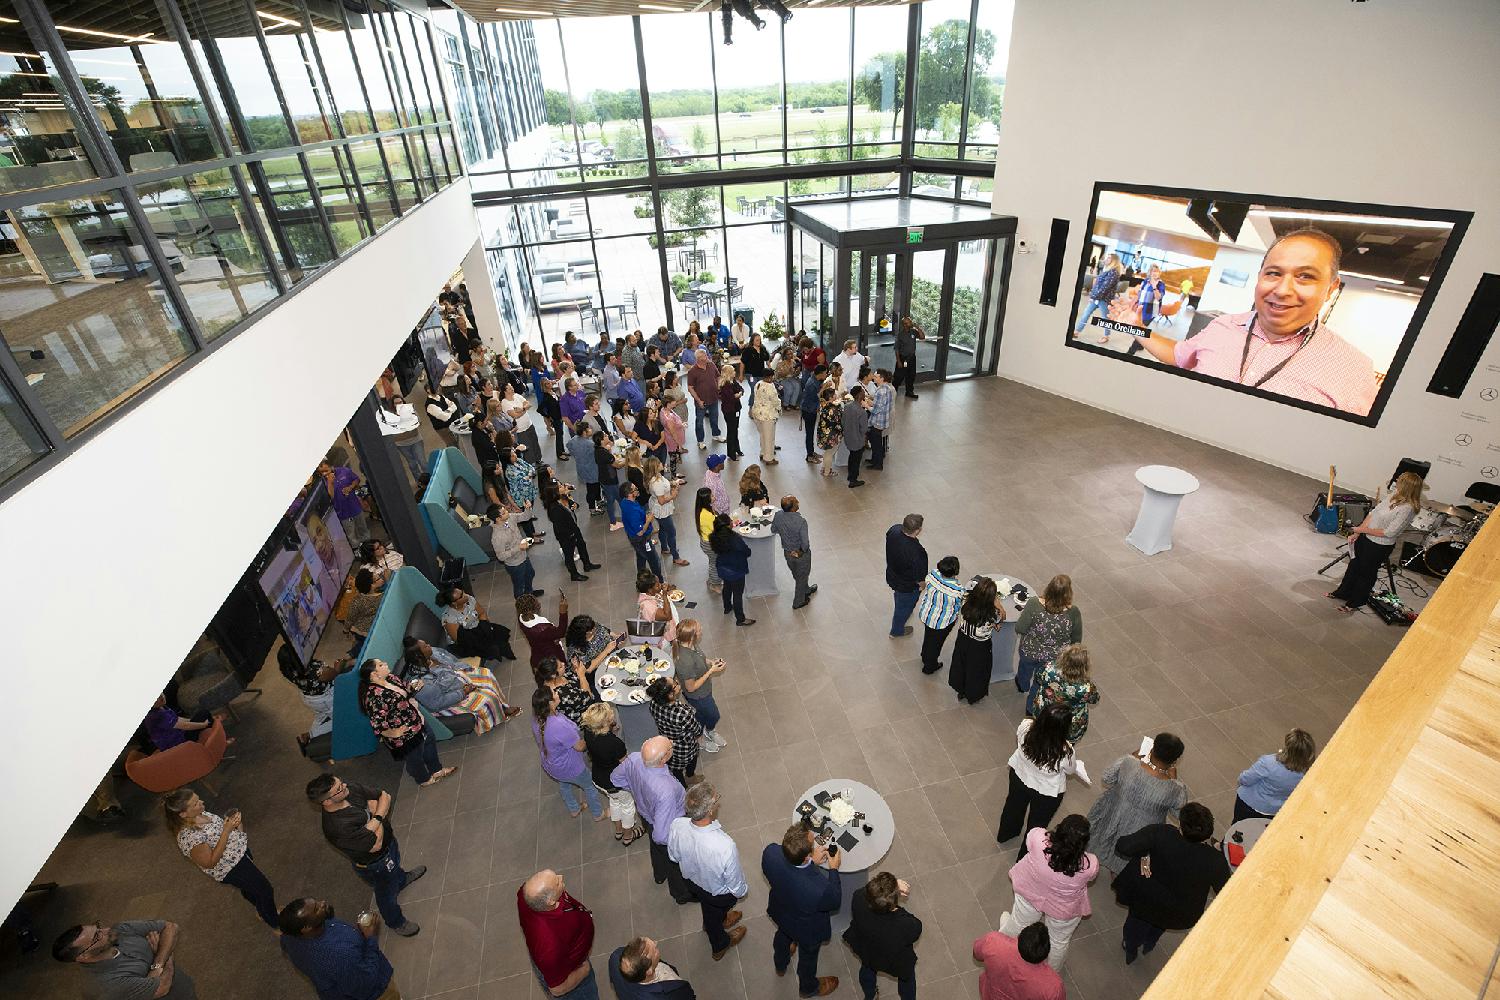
(1489, 393)
(1489, 472)
(1463, 440)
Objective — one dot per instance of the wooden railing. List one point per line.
(1381, 875)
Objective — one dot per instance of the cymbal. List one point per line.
(1448, 509)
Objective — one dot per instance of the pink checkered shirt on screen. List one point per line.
(1328, 371)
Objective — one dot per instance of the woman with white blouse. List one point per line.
(220, 849)
(1370, 543)
(969, 669)
(1039, 772)
(518, 408)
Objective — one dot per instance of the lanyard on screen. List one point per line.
(1312, 329)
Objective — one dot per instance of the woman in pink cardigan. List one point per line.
(1052, 884)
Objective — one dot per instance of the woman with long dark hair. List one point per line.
(521, 478)
(446, 685)
(703, 517)
(1052, 884)
(470, 631)
(561, 747)
(568, 682)
(732, 560)
(1039, 772)
(589, 642)
(396, 719)
(678, 723)
(969, 670)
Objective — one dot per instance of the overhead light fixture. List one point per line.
(1370, 277)
(1425, 277)
(277, 19)
(21, 55)
(1383, 220)
(523, 13)
(107, 34)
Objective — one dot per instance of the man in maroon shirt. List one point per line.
(559, 932)
(1015, 968)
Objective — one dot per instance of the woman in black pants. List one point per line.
(1039, 772)
(1371, 542)
(1172, 870)
(218, 846)
(730, 392)
(732, 562)
(565, 528)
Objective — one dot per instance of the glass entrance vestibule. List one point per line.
(862, 262)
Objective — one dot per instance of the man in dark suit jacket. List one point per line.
(805, 889)
(637, 972)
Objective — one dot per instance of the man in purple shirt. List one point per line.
(573, 403)
(658, 801)
(630, 391)
(342, 482)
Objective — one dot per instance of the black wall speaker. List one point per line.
(1053, 272)
(1470, 339)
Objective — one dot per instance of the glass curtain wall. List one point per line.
(665, 168)
(172, 167)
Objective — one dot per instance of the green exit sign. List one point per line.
(914, 235)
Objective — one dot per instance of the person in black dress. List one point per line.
(559, 503)
(969, 670)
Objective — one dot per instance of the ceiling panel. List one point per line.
(527, 10)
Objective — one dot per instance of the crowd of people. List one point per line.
(619, 413)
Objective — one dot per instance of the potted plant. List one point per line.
(771, 328)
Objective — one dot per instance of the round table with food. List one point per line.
(622, 681)
(1003, 638)
(754, 526)
(853, 816)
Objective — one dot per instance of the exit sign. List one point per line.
(914, 235)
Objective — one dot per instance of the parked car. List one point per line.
(817, 111)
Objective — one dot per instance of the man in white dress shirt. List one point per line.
(711, 864)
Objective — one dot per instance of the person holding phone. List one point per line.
(513, 551)
(805, 893)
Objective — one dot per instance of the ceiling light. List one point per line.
(107, 34)
(512, 10)
(21, 55)
(1383, 220)
(1370, 277)
(278, 19)
(9, 20)
(1425, 277)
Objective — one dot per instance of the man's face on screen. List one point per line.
(1296, 278)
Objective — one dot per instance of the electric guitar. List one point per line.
(1327, 518)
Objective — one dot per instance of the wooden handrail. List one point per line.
(1309, 911)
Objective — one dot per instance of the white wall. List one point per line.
(1385, 102)
(117, 558)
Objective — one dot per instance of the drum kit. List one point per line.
(1446, 532)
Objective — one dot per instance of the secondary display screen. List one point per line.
(1315, 304)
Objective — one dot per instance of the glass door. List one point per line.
(925, 298)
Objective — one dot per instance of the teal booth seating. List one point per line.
(408, 606)
(454, 476)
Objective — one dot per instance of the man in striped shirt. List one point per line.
(937, 610)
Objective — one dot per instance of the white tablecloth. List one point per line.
(1163, 488)
(872, 847)
(765, 556)
(1003, 638)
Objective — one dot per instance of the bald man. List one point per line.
(559, 932)
(658, 801)
(1281, 345)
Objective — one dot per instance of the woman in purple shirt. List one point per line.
(561, 747)
(342, 482)
(167, 729)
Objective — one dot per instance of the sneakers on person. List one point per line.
(719, 439)
(707, 745)
(718, 738)
(412, 874)
(702, 446)
(408, 929)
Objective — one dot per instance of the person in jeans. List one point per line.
(732, 560)
(703, 517)
(697, 675)
(219, 847)
(710, 863)
(796, 546)
(581, 448)
(937, 610)
(1045, 627)
(559, 933)
(905, 569)
(512, 549)
(1051, 883)
(609, 475)
(812, 382)
(1101, 292)
(397, 719)
(662, 505)
(356, 821)
(884, 935)
(855, 427)
(561, 747)
(703, 386)
(342, 961)
(640, 529)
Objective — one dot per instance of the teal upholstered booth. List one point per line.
(452, 474)
(409, 598)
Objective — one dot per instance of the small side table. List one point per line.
(1164, 488)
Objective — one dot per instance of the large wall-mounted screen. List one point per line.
(1310, 303)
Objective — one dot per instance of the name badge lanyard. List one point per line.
(1276, 368)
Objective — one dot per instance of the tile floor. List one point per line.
(1225, 640)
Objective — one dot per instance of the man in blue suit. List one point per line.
(637, 972)
(805, 889)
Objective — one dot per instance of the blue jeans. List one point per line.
(906, 988)
(706, 710)
(386, 876)
(586, 990)
(668, 534)
(421, 761)
(1026, 673)
(584, 780)
(521, 577)
(645, 555)
(611, 499)
(712, 409)
(1101, 306)
(905, 604)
